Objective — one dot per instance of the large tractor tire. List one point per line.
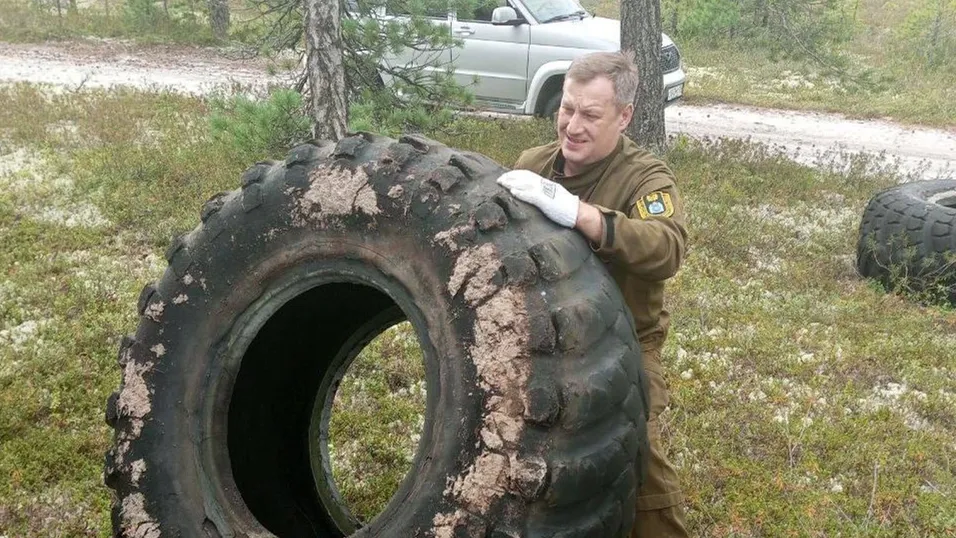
(536, 408)
(907, 238)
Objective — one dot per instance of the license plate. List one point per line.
(675, 92)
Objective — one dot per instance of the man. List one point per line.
(626, 203)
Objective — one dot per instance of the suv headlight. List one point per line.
(670, 59)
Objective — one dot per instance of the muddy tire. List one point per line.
(907, 238)
(536, 407)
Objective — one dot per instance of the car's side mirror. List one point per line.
(506, 16)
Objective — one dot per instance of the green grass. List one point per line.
(21, 21)
(733, 75)
(786, 418)
(377, 419)
(36, 21)
(805, 401)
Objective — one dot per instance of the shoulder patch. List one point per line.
(655, 204)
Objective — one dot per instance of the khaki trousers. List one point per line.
(659, 511)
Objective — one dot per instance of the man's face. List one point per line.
(589, 121)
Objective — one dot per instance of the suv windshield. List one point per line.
(555, 10)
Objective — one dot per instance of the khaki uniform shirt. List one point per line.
(644, 234)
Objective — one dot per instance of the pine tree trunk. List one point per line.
(326, 71)
(219, 18)
(760, 13)
(674, 16)
(934, 37)
(641, 34)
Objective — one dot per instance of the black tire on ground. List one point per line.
(536, 402)
(907, 238)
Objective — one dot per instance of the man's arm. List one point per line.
(650, 239)
(590, 223)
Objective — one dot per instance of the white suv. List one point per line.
(514, 56)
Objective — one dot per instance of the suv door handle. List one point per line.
(464, 30)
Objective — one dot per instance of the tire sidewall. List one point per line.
(495, 288)
(212, 342)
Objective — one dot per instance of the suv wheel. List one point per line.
(551, 106)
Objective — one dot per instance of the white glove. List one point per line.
(551, 198)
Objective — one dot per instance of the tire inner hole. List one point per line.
(327, 411)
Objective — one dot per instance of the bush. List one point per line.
(259, 129)
(928, 36)
(707, 19)
(798, 28)
(377, 112)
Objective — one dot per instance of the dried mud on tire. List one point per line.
(907, 238)
(536, 405)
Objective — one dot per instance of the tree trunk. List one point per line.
(219, 18)
(760, 13)
(326, 72)
(641, 35)
(674, 16)
(934, 37)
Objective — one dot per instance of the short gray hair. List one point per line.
(617, 66)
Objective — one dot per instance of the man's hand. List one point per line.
(552, 199)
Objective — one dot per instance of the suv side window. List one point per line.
(482, 10)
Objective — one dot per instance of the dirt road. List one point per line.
(922, 152)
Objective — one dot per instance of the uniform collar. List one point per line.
(589, 175)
